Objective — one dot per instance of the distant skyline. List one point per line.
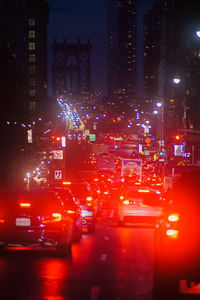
(84, 19)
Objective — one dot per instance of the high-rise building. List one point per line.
(121, 55)
(23, 57)
(172, 49)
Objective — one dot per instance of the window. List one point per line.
(31, 58)
(32, 105)
(31, 34)
(31, 46)
(32, 69)
(32, 93)
(31, 22)
(32, 82)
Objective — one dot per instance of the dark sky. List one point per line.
(84, 19)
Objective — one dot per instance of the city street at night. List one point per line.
(113, 263)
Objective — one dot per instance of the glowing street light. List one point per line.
(158, 104)
(176, 80)
(198, 33)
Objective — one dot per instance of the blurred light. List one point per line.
(158, 104)
(176, 80)
(155, 112)
(173, 218)
(143, 191)
(67, 182)
(126, 202)
(198, 33)
(25, 204)
(172, 233)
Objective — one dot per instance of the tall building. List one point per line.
(23, 57)
(71, 69)
(121, 55)
(172, 49)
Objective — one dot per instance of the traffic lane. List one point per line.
(114, 263)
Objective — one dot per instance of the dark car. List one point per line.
(177, 239)
(85, 199)
(72, 208)
(35, 219)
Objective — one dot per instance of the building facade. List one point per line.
(173, 46)
(71, 69)
(121, 50)
(23, 55)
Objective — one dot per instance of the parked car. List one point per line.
(35, 218)
(177, 239)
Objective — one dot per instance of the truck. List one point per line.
(131, 167)
(106, 163)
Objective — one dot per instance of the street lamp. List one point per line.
(198, 33)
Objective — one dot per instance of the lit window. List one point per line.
(31, 58)
(32, 69)
(32, 82)
(32, 105)
(31, 22)
(31, 34)
(31, 46)
(32, 93)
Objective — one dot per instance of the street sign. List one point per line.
(181, 163)
(58, 175)
(92, 137)
(178, 150)
(57, 154)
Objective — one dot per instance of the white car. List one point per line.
(139, 204)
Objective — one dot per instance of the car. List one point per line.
(98, 197)
(138, 203)
(71, 206)
(35, 218)
(84, 196)
(177, 239)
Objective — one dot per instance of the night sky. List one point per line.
(85, 19)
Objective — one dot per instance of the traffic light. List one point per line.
(177, 137)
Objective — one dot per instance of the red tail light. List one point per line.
(56, 217)
(143, 191)
(25, 204)
(172, 233)
(71, 212)
(2, 221)
(89, 198)
(67, 182)
(173, 217)
(126, 202)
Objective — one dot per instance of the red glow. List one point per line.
(172, 233)
(89, 198)
(23, 204)
(173, 218)
(143, 191)
(126, 202)
(69, 211)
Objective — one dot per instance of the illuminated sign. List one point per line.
(30, 136)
